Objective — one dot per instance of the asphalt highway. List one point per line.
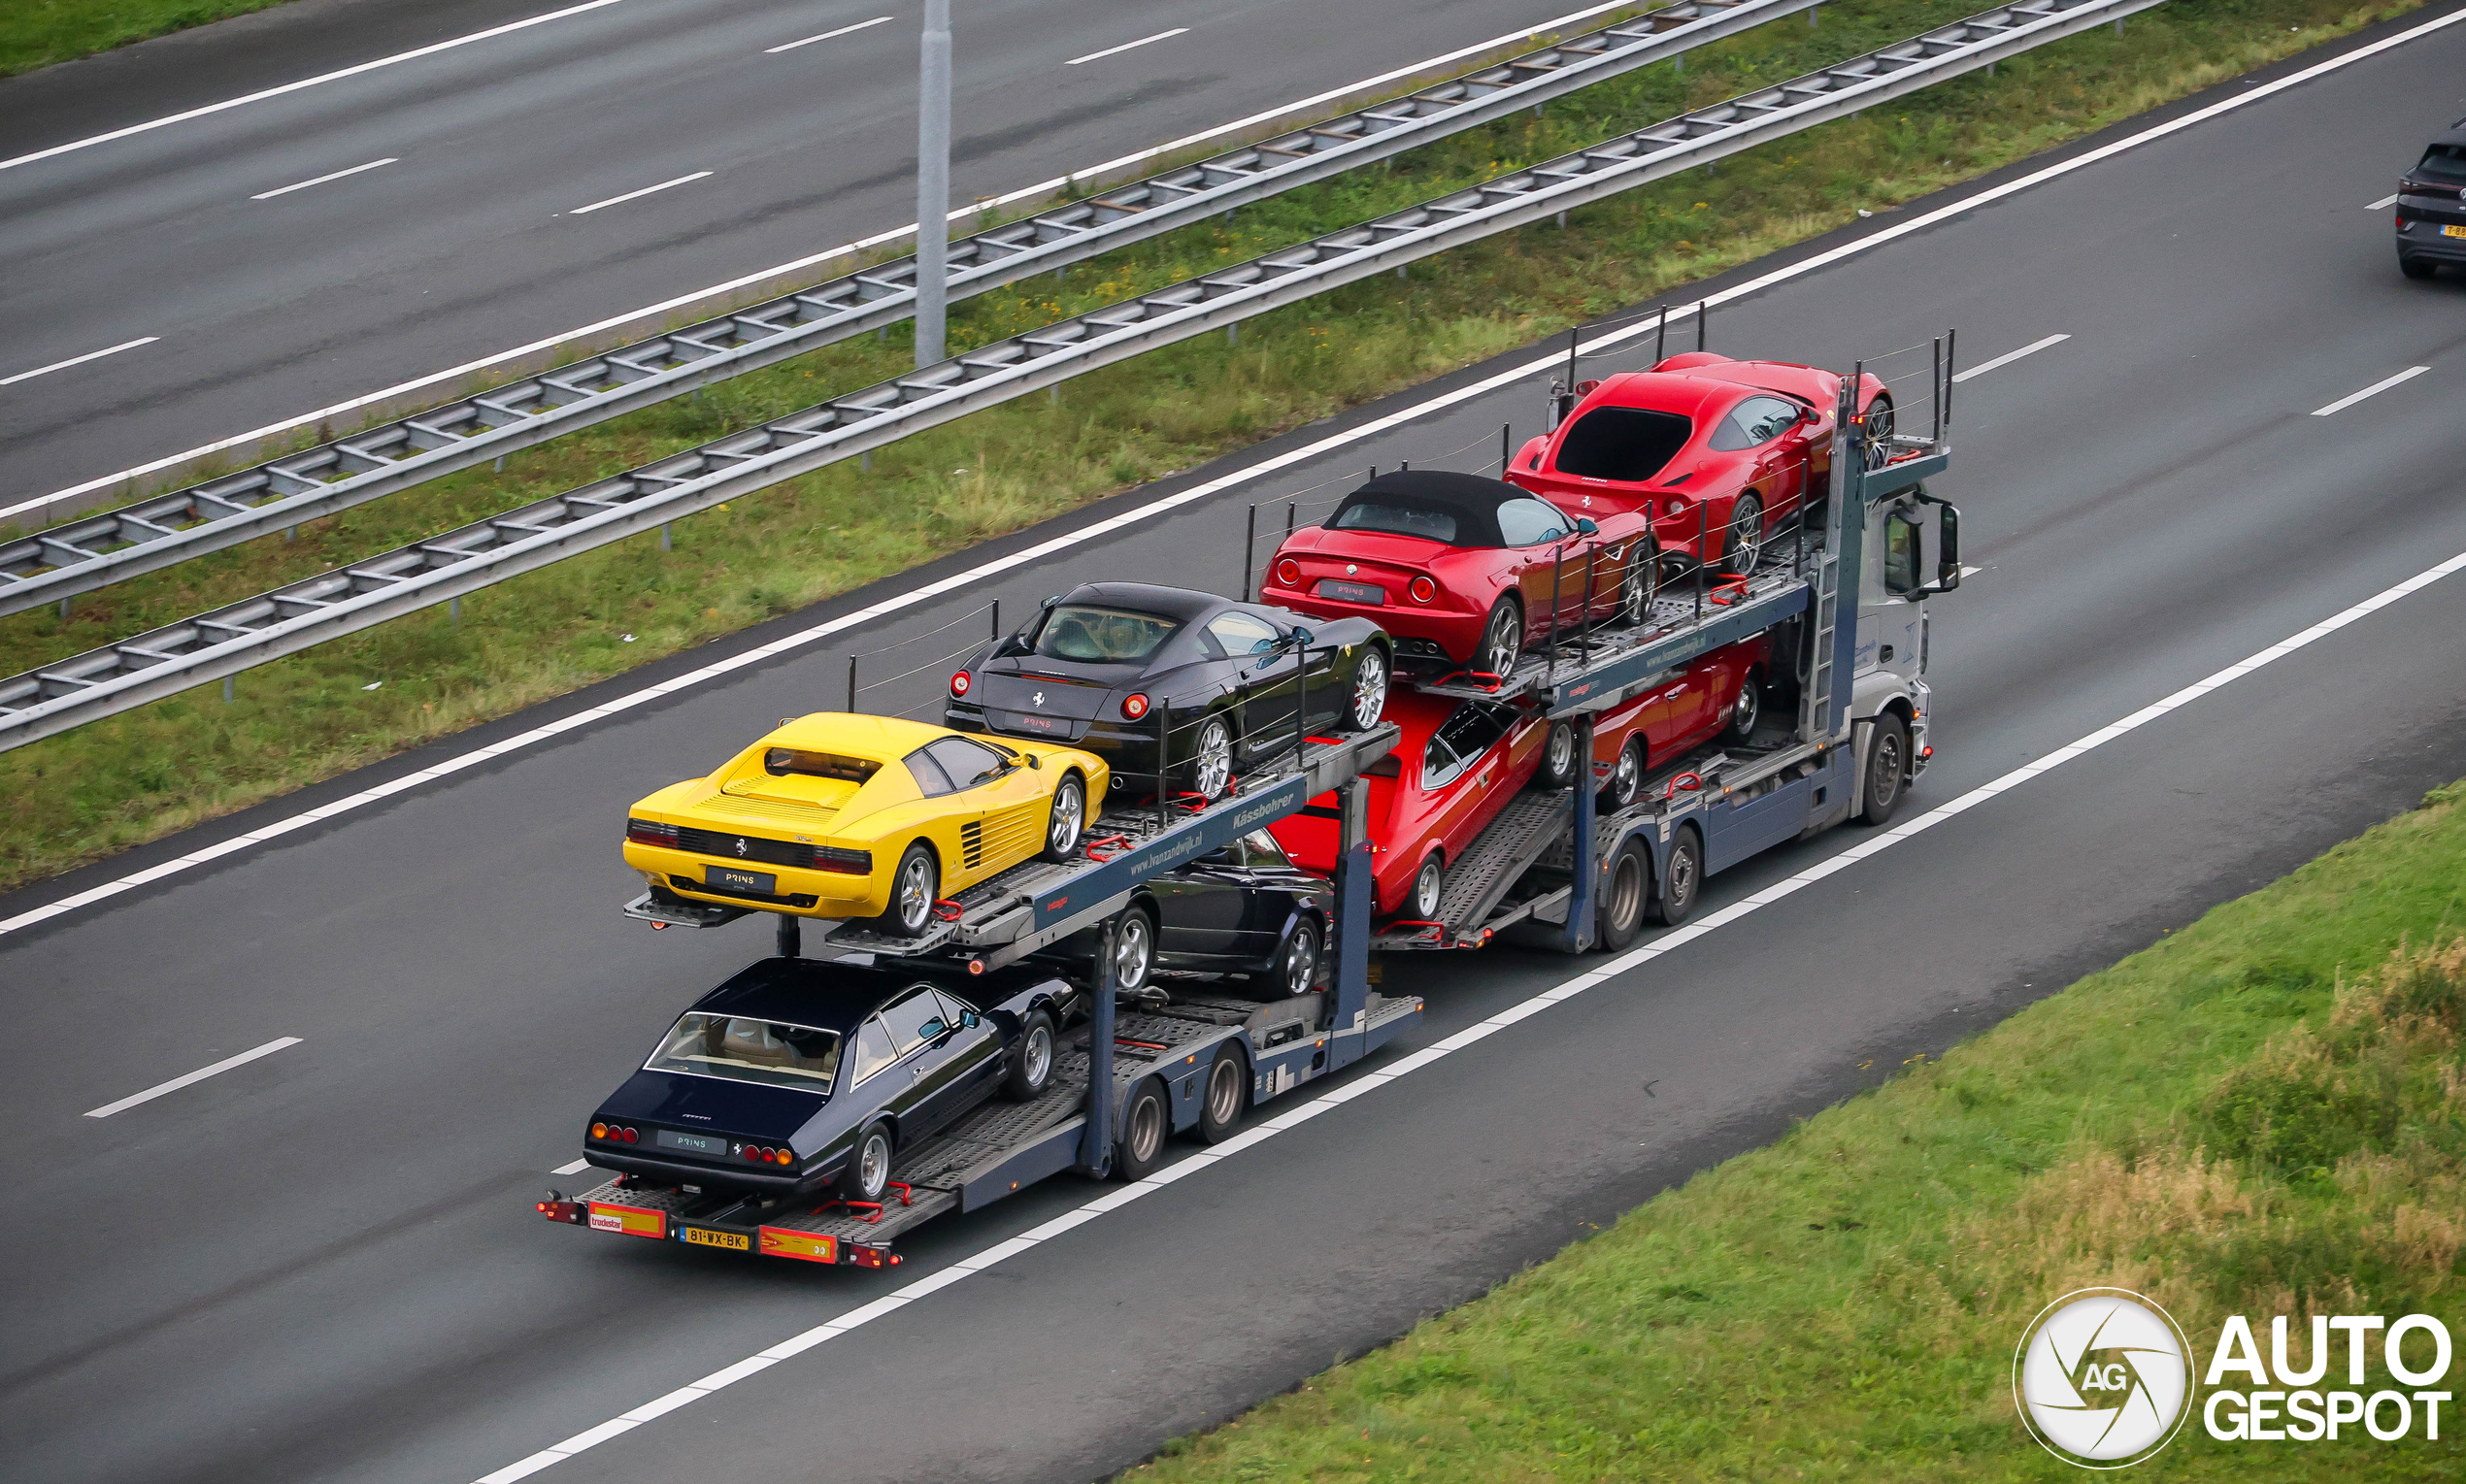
(323, 1264)
(300, 252)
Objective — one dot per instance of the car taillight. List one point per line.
(961, 682)
(627, 1135)
(1288, 572)
(1134, 705)
(850, 863)
(599, 1131)
(786, 1156)
(1424, 589)
(1678, 506)
(651, 832)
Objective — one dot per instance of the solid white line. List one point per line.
(634, 195)
(825, 35)
(1513, 1014)
(75, 360)
(2385, 201)
(292, 88)
(2373, 391)
(1128, 46)
(716, 290)
(199, 1075)
(2010, 356)
(576, 1168)
(550, 731)
(321, 180)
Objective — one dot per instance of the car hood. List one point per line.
(711, 1105)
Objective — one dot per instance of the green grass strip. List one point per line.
(37, 33)
(145, 773)
(2264, 1113)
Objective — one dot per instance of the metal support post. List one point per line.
(666, 541)
(1586, 874)
(1301, 704)
(851, 682)
(1356, 902)
(792, 937)
(1096, 1140)
(1506, 448)
(453, 611)
(226, 690)
(1164, 771)
(1951, 355)
(1703, 317)
(933, 181)
(1703, 553)
(1584, 627)
(1937, 435)
(993, 628)
(1291, 506)
(1549, 640)
(1847, 537)
(1661, 336)
(1249, 554)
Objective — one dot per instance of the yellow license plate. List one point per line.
(2453, 231)
(702, 1237)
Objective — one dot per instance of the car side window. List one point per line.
(1439, 766)
(967, 763)
(873, 1048)
(1262, 849)
(1241, 634)
(1754, 422)
(1473, 729)
(954, 1011)
(931, 780)
(913, 1018)
(1531, 523)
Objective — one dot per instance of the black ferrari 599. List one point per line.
(1164, 683)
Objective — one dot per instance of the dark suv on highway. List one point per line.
(2431, 208)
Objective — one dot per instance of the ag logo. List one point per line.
(2102, 1377)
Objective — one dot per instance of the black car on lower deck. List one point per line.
(2431, 208)
(798, 1073)
(1241, 909)
(1109, 665)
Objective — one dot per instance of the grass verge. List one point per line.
(2262, 1114)
(161, 767)
(37, 33)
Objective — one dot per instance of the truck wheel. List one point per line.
(1146, 1120)
(1623, 893)
(1682, 881)
(1558, 757)
(1227, 1099)
(913, 888)
(868, 1172)
(1031, 1067)
(1887, 755)
(1068, 818)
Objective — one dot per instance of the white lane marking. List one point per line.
(194, 1078)
(825, 35)
(2373, 391)
(634, 195)
(1128, 46)
(2010, 356)
(74, 360)
(974, 576)
(292, 88)
(1513, 1014)
(2385, 201)
(702, 296)
(576, 1168)
(321, 180)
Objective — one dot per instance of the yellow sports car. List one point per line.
(843, 815)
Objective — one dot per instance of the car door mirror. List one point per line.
(1585, 525)
(969, 1020)
(932, 1029)
(1300, 636)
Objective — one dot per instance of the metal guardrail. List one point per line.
(163, 530)
(300, 615)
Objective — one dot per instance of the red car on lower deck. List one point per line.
(1721, 696)
(1455, 766)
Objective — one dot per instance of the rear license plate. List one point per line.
(729, 878)
(2453, 231)
(716, 1145)
(703, 1237)
(806, 1246)
(1368, 593)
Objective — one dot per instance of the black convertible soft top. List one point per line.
(1470, 498)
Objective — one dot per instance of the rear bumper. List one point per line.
(713, 1177)
(2420, 236)
(802, 893)
(1457, 634)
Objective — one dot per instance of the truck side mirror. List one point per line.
(1947, 549)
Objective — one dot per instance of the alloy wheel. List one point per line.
(1745, 711)
(1429, 883)
(1069, 814)
(1213, 769)
(1745, 535)
(1134, 951)
(1369, 689)
(1301, 960)
(1038, 1053)
(1635, 592)
(1504, 641)
(915, 894)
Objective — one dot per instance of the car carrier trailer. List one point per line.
(1547, 870)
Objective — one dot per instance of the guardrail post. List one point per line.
(1096, 1140)
(1585, 874)
(1355, 901)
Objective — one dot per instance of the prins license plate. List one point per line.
(760, 882)
(703, 1237)
(1368, 594)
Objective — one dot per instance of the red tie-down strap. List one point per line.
(946, 909)
(1688, 781)
(1109, 845)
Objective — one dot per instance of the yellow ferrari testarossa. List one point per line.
(843, 815)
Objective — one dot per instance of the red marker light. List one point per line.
(1424, 591)
(959, 683)
(1288, 572)
(627, 1135)
(1134, 705)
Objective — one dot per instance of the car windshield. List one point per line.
(1429, 522)
(1623, 442)
(2444, 162)
(745, 1049)
(1076, 630)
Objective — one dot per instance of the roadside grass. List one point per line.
(2264, 1113)
(147, 772)
(37, 33)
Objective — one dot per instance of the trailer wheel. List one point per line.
(1682, 881)
(1887, 756)
(1031, 1069)
(913, 886)
(1624, 891)
(868, 1172)
(1146, 1120)
(1228, 1097)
